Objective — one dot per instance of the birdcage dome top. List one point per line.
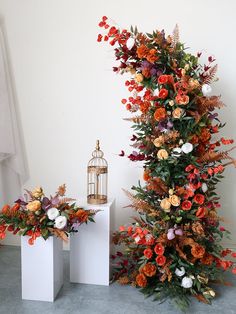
(97, 160)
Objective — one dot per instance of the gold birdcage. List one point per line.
(97, 178)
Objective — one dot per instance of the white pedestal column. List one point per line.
(90, 248)
(41, 268)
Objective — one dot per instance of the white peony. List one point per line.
(180, 271)
(204, 187)
(53, 213)
(187, 148)
(187, 282)
(176, 152)
(130, 43)
(206, 89)
(60, 222)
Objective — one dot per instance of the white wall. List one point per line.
(69, 96)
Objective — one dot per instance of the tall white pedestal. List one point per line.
(90, 248)
(41, 268)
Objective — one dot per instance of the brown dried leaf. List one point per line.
(65, 200)
(138, 204)
(59, 233)
(211, 75)
(175, 36)
(205, 104)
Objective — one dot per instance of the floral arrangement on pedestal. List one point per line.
(173, 248)
(36, 215)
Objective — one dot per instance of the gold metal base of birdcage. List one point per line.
(96, 199)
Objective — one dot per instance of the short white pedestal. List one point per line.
(90, 248)
(41, 268)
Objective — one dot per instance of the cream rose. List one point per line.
(187, 148)
(162, 154)
(180, 271)
(37, 192)
(165, 204)
(33, 206)
(193, 84)
(138, 77)
(174, 200)
(177, 113)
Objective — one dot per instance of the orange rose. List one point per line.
(159, 249)
(152, 57)
(163, 93)
(149, 270)
(186, 205)
(182, 99)
(161, 260)
(160, 114)
(142, 51)
(194, 139)
(141, 280)
(163, 79)
(82, 215)
(197, 251)
(148, 253)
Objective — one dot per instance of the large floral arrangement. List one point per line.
(36, 215)
(173, 248)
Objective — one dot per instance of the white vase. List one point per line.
(41, 268)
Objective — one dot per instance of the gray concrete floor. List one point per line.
(92, 299)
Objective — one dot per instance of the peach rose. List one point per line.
(37, 192)
(162, 154)
(158, 141)
(174, 200)
(33, 206)
(177, 113)
(165, 204)
(182, 99)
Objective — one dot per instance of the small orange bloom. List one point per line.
(152, 56)
(142, 51)
(207, 259)
(160, 114)
(199, 199)
(186, 205)
(205, 135)
(141, 280)
(82, 215)
(146, 175)
(197, 251)
(5, 209)
(234, 271)
(149, 269)
(161, 260)
(201, 212)
(148, 253)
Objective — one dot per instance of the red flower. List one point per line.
(189, 168)
(186, 205)
(163, 79)
(233, 255)
(222, 229)
(163, 93)
(99, 39)
(161, 260)
(199, 199)
(122, 228)
(159, 249)
(148, 253)
(234, 271)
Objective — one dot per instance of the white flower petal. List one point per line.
(187, 148)
(53, 213)
(206, 89)
(60, 222)
(180, 271)
(204, 187)
(130, 43)
(187, 282)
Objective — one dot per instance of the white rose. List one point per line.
(187, 282)
(130, 43)
(204, 187)
(176, 152)
(60, 222)
(206, 89)
(53, 213)
(180, 271)
(187, 148)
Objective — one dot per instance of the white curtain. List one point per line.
(13, 165)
